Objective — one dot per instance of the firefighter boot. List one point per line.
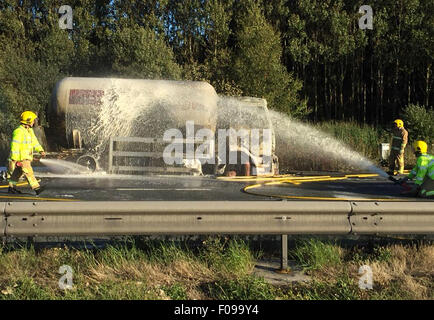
(14, 190)
(39, 190)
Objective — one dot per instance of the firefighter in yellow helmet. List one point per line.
(399, 142)
(23, 143)
(423, 172)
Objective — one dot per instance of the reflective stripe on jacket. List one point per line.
(23, 143)
(399, 139)
(424, 167)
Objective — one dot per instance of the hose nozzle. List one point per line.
(394, 180)
(401, 183)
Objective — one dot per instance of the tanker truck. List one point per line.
(119, 125)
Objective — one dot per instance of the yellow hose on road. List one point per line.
(31, 197)
(300, 180)
(19, 184)
(291, 177)
(36, 198)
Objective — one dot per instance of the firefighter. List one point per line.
(399, 142)
(423, 172)
(23, 143)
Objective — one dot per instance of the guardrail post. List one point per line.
(284, 253)
(3, 222)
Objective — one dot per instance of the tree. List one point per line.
(184, 26)
(322, 43)
(257, 66)
(218, 53)
(137, 52)
(30, 64)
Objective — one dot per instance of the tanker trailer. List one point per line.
(118, 124)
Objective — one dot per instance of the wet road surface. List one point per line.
(102, 187)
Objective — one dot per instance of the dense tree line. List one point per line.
(308, 58)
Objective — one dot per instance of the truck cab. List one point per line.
(251, 136)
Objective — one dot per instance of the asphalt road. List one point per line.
(102, 187)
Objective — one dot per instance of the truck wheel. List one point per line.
(88, 161)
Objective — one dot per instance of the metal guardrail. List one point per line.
(3, 219)
(392, 217)
(96, 218)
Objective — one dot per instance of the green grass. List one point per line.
(366, 255)
(314, 254)
(24, 288)
(227, 257)
(344, 288)
(216, 268)
(176, 291)
(244, 288)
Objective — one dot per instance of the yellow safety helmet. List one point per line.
(399, 123)
(27, 117)
(420, 146)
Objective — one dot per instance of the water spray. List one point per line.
(62, 166)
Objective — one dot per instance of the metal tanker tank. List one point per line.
(86, 112)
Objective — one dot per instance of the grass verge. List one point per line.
(217, 268)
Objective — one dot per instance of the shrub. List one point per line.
(419, 120)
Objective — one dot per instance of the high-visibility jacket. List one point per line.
(424, 168)
(399, 139)
(23, 143)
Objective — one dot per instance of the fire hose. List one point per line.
(3, 174)
(400, 182)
